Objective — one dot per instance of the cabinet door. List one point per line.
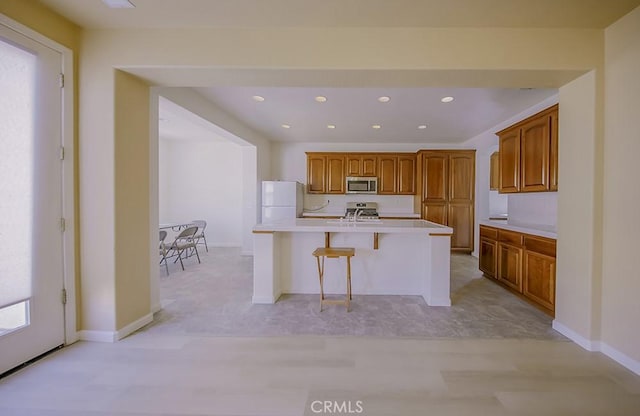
(435, 178)
(540, 278)
(316, 174)
(494, 174)
(488, 256)
(435, 212)
(406, 175)
(369, 165)
(387, 168)
(509, 161)
(335, 174)
(354, 165)
(460, 218)
(553, 153)
(534, 155)
(461, 177)
(510, 266)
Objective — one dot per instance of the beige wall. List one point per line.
(621, 224)
(131, 183)
(579, 248)
(378, 56)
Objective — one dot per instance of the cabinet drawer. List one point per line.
(510, 237)
(488, 232)
(540, 245)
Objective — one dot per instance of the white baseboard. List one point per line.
(438, 301)
(113, 336)
(585, 343)
(599, 346)
(623, 359)
(156, 308)
(134, 326)
(263, 299)
(97, 336)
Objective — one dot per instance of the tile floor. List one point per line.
(168, 370)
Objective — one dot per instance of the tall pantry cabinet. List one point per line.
(446, 192)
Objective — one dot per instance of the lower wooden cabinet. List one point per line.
(489, 257)
(510, 266)
(523, 263)
(540, 278)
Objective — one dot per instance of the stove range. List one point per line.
(367, 210)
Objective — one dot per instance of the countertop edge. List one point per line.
(526, 230)
(428, 228)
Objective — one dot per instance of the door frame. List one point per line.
(68, 173)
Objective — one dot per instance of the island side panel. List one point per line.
(266, 284)
(396, 268)
(437, 278)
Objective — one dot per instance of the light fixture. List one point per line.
(258, 98)
(331, 126)
(119, 4)
(446, 99)
(376, 126)
(321, 99)
(384, 99)
(285, 126)
(422, 126)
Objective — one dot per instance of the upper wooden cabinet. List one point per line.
(361, 164)
(397, 174)
(446, 185)
(528, 154)
(325, 173)
(494, 172)
(406, 174)
(388, 172)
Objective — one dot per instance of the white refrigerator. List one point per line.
(281, 200)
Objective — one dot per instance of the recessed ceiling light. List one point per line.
(331, 126)
(321, 99)
(446, 99)
(258, 98)
(119, 4)
(285, 126)
(422, 126)
(376, 126)
(384, 99)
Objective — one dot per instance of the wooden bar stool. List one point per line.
(334, 252)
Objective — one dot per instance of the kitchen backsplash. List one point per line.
(338, 203)
(534, 208)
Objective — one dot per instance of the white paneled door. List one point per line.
(31, 239)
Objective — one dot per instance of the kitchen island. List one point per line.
(393, 257)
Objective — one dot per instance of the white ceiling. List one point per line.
(352, 110)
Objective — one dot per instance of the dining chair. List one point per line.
(201, 224)
(183, 242)
(163, 250)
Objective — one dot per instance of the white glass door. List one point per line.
(31, 265)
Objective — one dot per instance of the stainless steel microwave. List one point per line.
(362, 185)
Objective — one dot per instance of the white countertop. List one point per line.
(337, 226)
(382, 214)
(533, 229)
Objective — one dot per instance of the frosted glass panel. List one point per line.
(17, 75)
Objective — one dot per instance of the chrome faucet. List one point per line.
(357, 214)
